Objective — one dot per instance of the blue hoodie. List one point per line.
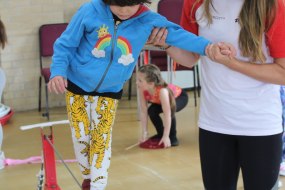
(98, 55)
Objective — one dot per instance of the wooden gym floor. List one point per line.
(132, 168)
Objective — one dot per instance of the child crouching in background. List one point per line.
(163, 98)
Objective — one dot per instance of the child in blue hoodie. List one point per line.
(92, 60)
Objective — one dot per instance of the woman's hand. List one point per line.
(221, 52)
(183, 57)
(227, 49)
(158, 37)
(165, 141)
(57, 84)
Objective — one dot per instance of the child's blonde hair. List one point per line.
(153, 74)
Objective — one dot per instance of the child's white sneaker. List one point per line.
(4, 110)
(282, 169)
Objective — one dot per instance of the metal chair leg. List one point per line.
(46, 114)
(194, 87)
(130, 88)
(198, 79)
(40, 95)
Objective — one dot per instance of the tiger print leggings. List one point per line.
(91, 120)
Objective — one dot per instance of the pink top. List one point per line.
(155, 97)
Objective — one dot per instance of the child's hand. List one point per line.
(227, 49)
(144, 137)
(165, 141)
(222, 53)
(57, 84)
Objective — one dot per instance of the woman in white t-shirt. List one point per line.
(240, 116)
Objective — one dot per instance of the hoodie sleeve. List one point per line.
(181, 38)
(66, 45)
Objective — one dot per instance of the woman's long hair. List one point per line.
(153, 74)
(255, 18)
(3, 35)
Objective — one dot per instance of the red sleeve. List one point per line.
(188, 20)
(276, 35)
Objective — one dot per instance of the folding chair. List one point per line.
(48, 33)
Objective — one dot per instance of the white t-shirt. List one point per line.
(231, 102)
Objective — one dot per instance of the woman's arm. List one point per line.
(143, 117)
(165, 104)
(183, 57)
(270, 73)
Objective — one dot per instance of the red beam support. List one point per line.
(49, 162)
